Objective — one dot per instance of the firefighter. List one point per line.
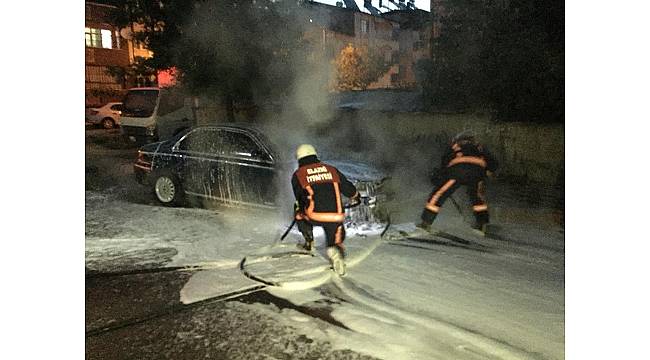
(318, 188)
(466, 162)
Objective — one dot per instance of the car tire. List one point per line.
(108, 123)
(167, 189)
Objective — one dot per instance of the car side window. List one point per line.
(117, 107)
(198, 141)
(240, 144)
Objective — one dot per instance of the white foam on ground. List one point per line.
(400, 302)
(452, 303)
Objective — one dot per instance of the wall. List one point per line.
(526, 151)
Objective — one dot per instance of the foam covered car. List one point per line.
(235, 164)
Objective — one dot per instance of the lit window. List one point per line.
(93, 38)
(99, 38)
(107, 39)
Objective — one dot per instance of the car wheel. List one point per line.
(167, 189)
(108, 123)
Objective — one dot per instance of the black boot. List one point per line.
(309, 242)
(424, 226)
(308, 245)
(480, 228)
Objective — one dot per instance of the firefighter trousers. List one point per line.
(446, 186)
(334, 231)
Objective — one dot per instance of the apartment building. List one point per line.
(109, 47)
(414, 38)
(401, 36)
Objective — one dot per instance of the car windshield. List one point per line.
(139, 103)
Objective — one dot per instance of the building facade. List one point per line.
(109, 53)
(414, 38)
(402, 37)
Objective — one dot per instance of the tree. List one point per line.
(524, 61)
(457, 70)
(138, 71)
(504, 56)
(356, 68)
(239, 50)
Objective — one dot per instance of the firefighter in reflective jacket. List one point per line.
(466, 162)
(318, 188)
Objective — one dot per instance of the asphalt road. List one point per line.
(139, 317)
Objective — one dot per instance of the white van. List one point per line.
(155, 114)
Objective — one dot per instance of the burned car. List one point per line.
(235, 164)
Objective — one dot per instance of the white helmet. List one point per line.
(465, 135)
(305, 150)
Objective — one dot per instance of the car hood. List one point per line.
(359, 171)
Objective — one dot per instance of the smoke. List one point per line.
(290, 83)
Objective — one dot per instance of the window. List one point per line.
(200, 141)
(116, 107)
(364, 26)
(395, 34)
(140, 103)
(107, 39)
(93, 38)
(99, 38)
(238, 144)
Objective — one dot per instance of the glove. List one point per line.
(355, 200)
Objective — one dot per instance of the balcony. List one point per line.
(106, 57)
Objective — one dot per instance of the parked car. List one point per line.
(234, 164)
(108, 115)
(152, 114)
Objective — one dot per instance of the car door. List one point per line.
(116, 112)
(244, 172)
(194, 150)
